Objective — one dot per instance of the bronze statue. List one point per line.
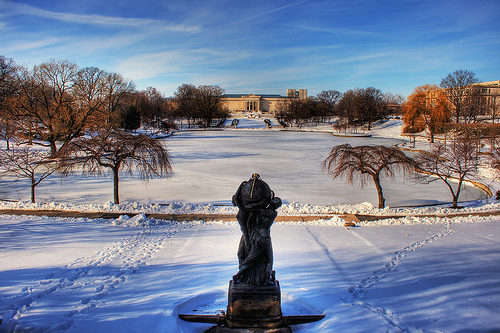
(257, 211)
(254, 295)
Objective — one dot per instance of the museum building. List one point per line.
(489, 93)
(243, 103)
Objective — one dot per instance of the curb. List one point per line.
(225, 217)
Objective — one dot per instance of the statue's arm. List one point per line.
(258, 205)
(236, 197)
(270, 217)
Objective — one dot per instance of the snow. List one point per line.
(209, 165)
(136, 274)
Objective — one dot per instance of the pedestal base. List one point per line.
(220, 329)
(250, 310)
(254, 307)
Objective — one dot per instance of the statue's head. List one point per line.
(256, 193)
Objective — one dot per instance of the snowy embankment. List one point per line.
(292, 209)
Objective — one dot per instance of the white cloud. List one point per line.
(23, 9)
(149, 65)
(340, 31)
(146, 66)
(25, 45)
(264, 13)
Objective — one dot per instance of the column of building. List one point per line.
(252, 105)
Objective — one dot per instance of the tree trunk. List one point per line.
(455, 201)
(53, 149)
(493, 109)
(33, 185)
(457, 194)
(115, 185)
(381, 200)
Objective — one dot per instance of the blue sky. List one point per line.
(260, 46)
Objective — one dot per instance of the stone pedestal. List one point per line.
(250, 306)
(220, 329)
(252, 309)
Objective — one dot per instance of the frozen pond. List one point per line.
(209, 166)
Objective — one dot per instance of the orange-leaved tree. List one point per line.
(426, 108)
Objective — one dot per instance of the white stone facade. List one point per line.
(262, 103)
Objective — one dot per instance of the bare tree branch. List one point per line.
(26, 162)
(457, 89)
(361, 163)
(455, 161)
(117, 150)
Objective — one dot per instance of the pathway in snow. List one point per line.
(83, 284)
(358, 292)
(332, 264)
(375, 278)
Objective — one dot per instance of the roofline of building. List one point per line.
(248, 95)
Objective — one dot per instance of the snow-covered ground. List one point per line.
(209, 165)
(407, 275)
(414, 274)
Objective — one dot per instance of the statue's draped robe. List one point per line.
(255, 250)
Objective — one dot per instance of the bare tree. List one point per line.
(456, 161)
(330, 98)
(208, 103)
(152, 106)
(89, 94)
(373, 105)
(117, 150)
(8, 70)
(319, 111)
(365, 162)
(26, 162)
(362, 106)
(349, 107)
(494, 160)
(476, 106)
(295, 111)
(58, 102)
(116, 91)
(8, 130)
(494, 105)
(202, 102)
(394, 103)
(8, 90)
(184, 97)
(45, 101)
(457, 89)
